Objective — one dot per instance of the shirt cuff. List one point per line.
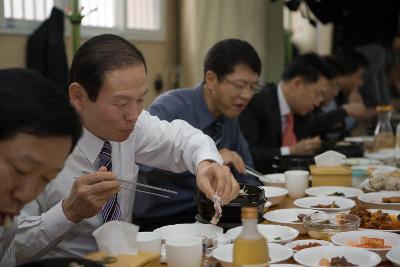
(55, 221)
(285, 150)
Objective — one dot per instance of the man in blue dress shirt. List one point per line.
(232, 70)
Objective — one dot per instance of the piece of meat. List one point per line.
(218, 209)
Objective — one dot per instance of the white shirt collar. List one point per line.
(90, 145)
(283, 105)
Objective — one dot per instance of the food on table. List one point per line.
(308, 245)
(243, 191)
(368, 242)
(385, 181)
(337, 194)
(300, 218)
(375, 220)
(333, 205)
(391, 200)
(336, 261)
(218, 209)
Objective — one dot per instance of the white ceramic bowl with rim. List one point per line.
(373, 200)
(310, 203)
(360, 257)
(277, 253)
(394, 256)
(390, 239)
(320, 191)
(274, 179)
(274, 233)
(190, 229)
(274, 194)
(288, 217)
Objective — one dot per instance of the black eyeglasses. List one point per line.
(254, 88)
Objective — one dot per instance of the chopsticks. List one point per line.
(125, 181)
(253, 172)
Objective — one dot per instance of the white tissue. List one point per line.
(117, 238)
(329, 158)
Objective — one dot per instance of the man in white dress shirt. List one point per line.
(107, 87)
(34, 144)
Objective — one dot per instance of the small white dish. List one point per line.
(288, 217)
(277, 253)
(274, 194)
(274, 179)
(319, 191)
(357, 256)
(373, 200)
(394, 256)
(311, 203)
(303, 242)
(189, 229)
(390, 239)
(359, 139)
(274, 233)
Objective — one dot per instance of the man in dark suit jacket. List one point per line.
(343, 105)
(265, 121)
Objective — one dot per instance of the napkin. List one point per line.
(329, 158)
(117, 238)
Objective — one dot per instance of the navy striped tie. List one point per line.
(111, 211)
(214, 130)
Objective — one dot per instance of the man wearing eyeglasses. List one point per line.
(268, 122)
(232, 70)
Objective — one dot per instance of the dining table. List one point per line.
(286, 203)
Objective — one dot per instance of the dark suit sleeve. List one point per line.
(262, 148)
(323, 123)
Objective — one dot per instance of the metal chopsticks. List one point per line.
(253, 172)
(124, 181)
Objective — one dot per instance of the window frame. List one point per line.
(26, 27)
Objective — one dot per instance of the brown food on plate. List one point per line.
(336, 261)
(375, 220)
(300, 218)
(333, 205)
(337, 194)
(391, 200)
(308, 245)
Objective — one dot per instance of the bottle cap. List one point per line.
(249, 213)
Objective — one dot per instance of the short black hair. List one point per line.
(350, 61)
(310, 67)
(99, 55)
(225, 55)
(333, 66)
(32, 104)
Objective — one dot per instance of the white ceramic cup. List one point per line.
(149, 242)
(297, 183)
(184, 251)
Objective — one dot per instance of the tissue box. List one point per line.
(330, 175)
(139, 260)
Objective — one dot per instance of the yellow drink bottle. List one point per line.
(250, 248)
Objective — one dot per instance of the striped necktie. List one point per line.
(214, 130)
(111, 211)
